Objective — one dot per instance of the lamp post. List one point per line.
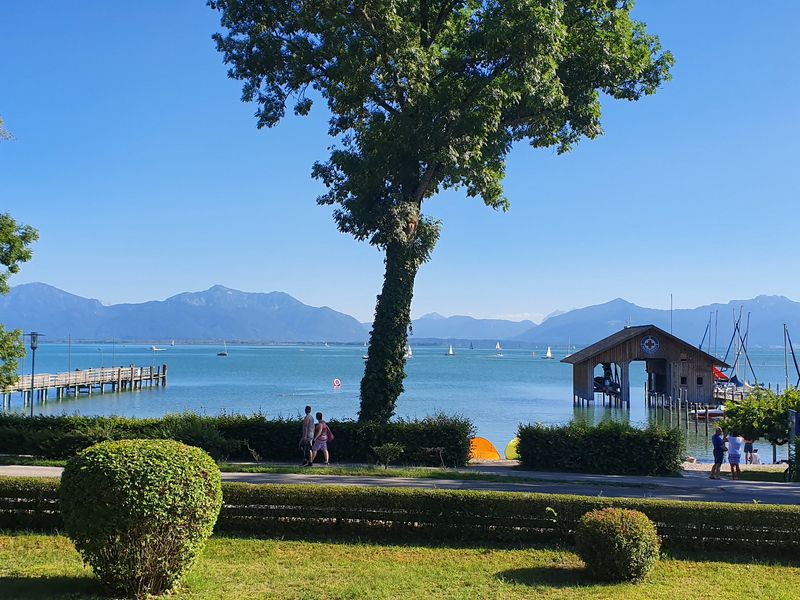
(34, 335)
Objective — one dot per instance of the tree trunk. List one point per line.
(385, 369)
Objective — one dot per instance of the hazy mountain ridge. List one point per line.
(586, 325)
(217, 313)
(221, 313)
(434, 325)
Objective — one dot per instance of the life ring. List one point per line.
(337, 383)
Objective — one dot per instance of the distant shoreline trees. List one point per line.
(429, 95)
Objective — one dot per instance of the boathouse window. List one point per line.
(699, 381)
(683, 380)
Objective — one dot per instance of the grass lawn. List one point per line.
(47, 566)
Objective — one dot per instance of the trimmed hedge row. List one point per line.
(240, 437)
(610, 448)
(442, 515)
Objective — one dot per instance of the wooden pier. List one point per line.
(87, 381)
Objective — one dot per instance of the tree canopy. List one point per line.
(428, 95)
(15, 240)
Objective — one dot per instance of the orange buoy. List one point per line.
(482, 449)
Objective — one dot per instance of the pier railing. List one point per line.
(85, 381)
(83, 377)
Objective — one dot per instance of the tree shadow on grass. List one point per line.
(50, 587)
(550, 577)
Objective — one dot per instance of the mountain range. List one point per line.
(218, 313)
(221, 313)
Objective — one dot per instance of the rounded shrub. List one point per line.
(617, 544)
(140, 511)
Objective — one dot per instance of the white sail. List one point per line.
(409, 353)
(549, 353)
(450, 351)
(498, 349)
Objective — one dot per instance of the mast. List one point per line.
(785, 358)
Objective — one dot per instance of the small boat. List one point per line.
(548, 355)
(225, 351)
(450, 351)
(173, 343)
(713, 413)
(154, 349)
(365, 357)
(409, 353)
(498, 350)
(471, 347)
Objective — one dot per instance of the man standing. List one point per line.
(719, 452)
(307, 437)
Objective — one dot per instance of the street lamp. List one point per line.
(34, 335)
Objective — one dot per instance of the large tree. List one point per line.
(427, 95)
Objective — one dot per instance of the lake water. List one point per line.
(496, 393)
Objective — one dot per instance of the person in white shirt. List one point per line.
(756, 458)
(735, 443)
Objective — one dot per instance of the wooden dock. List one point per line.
(86, 381)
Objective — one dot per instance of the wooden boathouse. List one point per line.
(85, 381)
(675, 368)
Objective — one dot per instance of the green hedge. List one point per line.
(610, 447)
(238, 436)
(430, 516)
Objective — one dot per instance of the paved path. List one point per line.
(670, 488)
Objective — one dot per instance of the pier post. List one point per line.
(686, 407)
(706, 420)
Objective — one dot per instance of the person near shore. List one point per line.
(307, 437)
(735, 443)
(322, 435)
(756, 460)
(748, 451)
(719, 452)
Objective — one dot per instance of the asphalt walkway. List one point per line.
(622, 486)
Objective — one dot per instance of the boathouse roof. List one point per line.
(626, 334)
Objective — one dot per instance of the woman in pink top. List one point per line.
(322, 434)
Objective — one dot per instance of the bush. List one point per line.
(139, 511)
(238, 436)
(617, 544)
(388, 453)
(610, 447)
(433, 516)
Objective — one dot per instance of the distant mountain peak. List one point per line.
(432, 316)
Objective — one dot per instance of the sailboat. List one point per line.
(471, 347)
(225, 351)
(549, 354)
(173, 343)
(450, 351)
(498, 350)
(409, 353)
(156, 349)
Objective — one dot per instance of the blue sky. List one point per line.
(146, 176)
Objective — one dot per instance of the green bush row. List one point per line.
(431, 516)
(610, 447)
(429, 441)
